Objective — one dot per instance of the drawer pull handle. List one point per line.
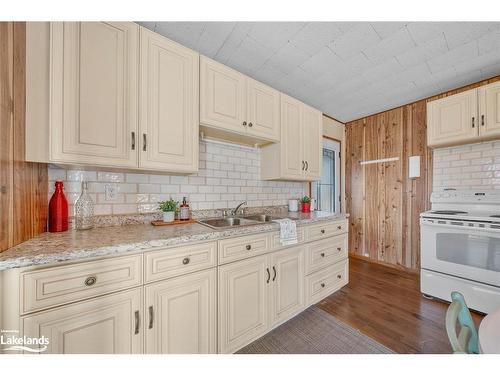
(339, 277)
(268, 275)
(322, 231)
(339, 227)
(91, 280)
(274, 270)
(322, 285)
(185, 261)
(248, 247)
(151, 317)
(322, 255)
(136, 331)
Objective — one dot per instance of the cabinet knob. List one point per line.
(322, 255)
(185, 261)
(91, 280)
(248, 247)
(244, 123)
(339, 276)
(322, 231)
(339, 227)
(339, 249)
(250, 124)
(322, 285)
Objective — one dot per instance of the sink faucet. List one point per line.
(235, 211)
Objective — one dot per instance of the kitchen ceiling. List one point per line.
(349, 69)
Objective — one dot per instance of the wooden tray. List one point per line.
(157, 223)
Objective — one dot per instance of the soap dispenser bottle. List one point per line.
(184, 210)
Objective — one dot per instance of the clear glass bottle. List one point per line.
(84, 209)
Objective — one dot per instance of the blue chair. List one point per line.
(466, 342)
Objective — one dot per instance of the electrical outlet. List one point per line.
(110, 192)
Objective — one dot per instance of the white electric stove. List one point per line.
(460, 247)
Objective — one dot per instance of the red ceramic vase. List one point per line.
(58, 210)
(306, 207)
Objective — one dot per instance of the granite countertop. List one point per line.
(49, 248)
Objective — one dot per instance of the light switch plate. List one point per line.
(110, 192)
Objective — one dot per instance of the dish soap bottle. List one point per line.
(84, 209)
(184, 210)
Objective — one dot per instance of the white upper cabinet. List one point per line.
(234, 103)
(169, 104)
(94, 92)
(489, 110)
(453, 119)
(222, 96)
(298, 155)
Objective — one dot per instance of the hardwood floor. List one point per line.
(386, 304)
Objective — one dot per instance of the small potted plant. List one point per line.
(168, 208)
(306, 203)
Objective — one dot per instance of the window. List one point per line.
(326, 192)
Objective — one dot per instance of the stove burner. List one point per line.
(494, 215)
(450, 212)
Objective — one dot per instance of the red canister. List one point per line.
(58, 210)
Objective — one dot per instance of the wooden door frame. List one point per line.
(340, 175)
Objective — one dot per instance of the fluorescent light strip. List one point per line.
(378, 161)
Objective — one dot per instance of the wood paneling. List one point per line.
(384, 204)
(386, 304)
(23, 200)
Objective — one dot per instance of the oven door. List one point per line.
(468, 252)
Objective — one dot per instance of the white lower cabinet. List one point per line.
(104, 325)
(243, 302)
(181, 315)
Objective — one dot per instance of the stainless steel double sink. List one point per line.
(233, 221)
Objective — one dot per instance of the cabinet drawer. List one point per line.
(243, 247)
(172, 262)
(319, 231)
(323, 283)
(59, 285)
(322, 253)
(275, 239)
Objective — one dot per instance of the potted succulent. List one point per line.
(306, 203)
(168, 207)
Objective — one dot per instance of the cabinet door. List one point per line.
(94, 92)
(169, 95)
(287, 292)
(452, 120)
(105, 325)
(312, 134)
(489, 110)
(181, 315)
(263, 104)
(222, 96)
(243, 302)
(292, 163)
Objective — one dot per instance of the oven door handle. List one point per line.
(461, 227)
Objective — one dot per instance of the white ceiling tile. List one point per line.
(423, 52)
(384, 29)
(315, 35)
(490, 71)
(321, 62)
(275, 34)
(392, 45)
(186, 33)
(489, 42)
(453, 57)
(238, 34)
(459, 33)
(381, 71)
(355, 40)
(268, 73)
(249, 56)
(422, 32)
(288, 58)
(478, 62)
(213, 37)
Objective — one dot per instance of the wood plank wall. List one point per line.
(383, 202)
(23, 186)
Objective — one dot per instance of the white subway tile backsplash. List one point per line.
(467, 167)
(228, 175)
